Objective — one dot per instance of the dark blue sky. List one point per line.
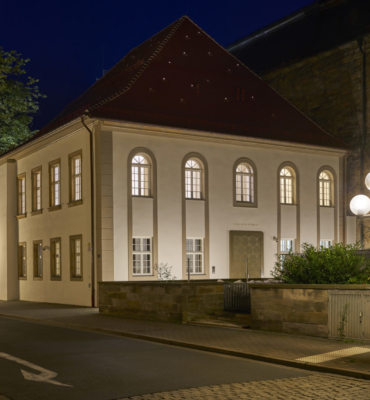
(71, 42)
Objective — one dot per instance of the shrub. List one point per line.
(339, 264)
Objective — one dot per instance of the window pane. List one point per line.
(135, 181)
(39, 260)
(136, 263)
(198, 263)
(144, 181)
(189, 263)
(189, 245)
(188, 184)
(198, 244)
(136, 244)
(196, 184)
(146, 263)
(146, 244)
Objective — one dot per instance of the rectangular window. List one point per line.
(22, 262)
(36, 189)
(55, 258)
(21, 180)
(286, 191)
(76, 256)
(325, 243)
(37, 259)
(75, 168)
(54, 178)
(286, 245)
(194, 256)
(325, 193)
(142, 256)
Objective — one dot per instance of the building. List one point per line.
(180, 155)
(317, 58)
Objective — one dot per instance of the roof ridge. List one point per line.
(144, 66)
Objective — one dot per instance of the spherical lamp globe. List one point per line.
(360, 205)
(367, 181)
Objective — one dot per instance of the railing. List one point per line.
(237, 297)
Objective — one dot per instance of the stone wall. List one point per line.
(328, 88)
(295, 309)
(177, 301)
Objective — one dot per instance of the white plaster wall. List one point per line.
(169, 153)
(61, 223)
(326, 223)
(289, 221)
(351, 230)
(142, 217)
(195, 219)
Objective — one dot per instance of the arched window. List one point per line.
(286, 186)
(325, 189)
(140, 176)
(244, 183)
(193, 179)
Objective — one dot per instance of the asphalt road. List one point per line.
(104, 367)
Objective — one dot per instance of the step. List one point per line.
(216, 324)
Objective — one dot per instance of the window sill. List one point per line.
(56, 278)
(55, 208)
(75, 203)
(36, 212)
(245, 204)
(37, 278)
(76, 278)
(22, 278)
(187, 198)
(20, 216)
(145, 197)
(327, 206)
(142, 276)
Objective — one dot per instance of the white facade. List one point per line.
(165, 217)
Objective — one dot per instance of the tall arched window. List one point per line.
(140, 176)
(193, 179)
(286, 186)
(325, 189)
(244, 183)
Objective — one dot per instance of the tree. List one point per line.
(18, 100)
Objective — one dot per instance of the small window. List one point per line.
(36, 189)
(75, 167)
(244, 183)
(286, 186)
(194, 256)
(325, 243)
(37, 259)
(21, 180)
(54, 171)
(22, 260)
(140, 176)
(55, 258)
(142, 256)
(286, 245)
(76, 256)
(193, 179)
(325, 189)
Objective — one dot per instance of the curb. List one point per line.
(193, 346)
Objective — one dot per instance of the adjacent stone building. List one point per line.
(317, 58)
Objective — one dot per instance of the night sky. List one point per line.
(70, 43)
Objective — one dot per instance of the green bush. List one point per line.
(339, 264)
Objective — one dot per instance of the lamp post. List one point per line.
(360, 206)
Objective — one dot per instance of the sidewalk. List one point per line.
(353, 359)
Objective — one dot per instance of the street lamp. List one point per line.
(360, 204)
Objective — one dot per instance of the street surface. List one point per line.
(46, 362)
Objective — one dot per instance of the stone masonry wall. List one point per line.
(171, 302)
(328, 88)
(289, 310)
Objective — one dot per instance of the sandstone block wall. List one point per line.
(170, 302)
(290, 310)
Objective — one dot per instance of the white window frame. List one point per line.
(77, 178)
(139, 252)
(22, 195)
(191, 178)
(244, 179)
(55, 184)
(140, 170)
(195, 255)
(286, 245)
(325, 189)
(326, 243)
(285, 182)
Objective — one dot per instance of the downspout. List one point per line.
(92, 186)
(363, 142)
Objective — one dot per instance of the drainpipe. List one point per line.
(363, 142)
(92, 186)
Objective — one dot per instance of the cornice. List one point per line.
(216, 137)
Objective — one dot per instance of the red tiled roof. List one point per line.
(182, 78)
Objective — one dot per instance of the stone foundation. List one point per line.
(177, 301)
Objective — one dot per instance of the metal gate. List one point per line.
(237, 297)
(357, 303)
